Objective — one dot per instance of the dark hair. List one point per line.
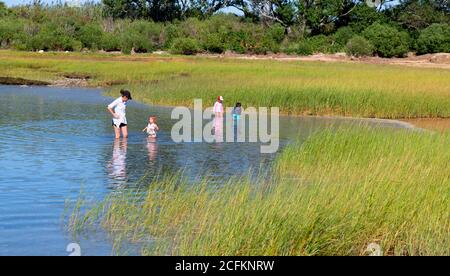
(126, 93)
(238, 105)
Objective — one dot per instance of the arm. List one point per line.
(111, 109)
(144, 129)
(112, 112)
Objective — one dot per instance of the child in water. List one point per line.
(237, 111)
(152, 128)
(218, 107)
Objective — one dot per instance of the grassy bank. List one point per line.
(332, 195)
(312, 88)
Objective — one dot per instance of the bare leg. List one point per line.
(124, 132)
(117, 132)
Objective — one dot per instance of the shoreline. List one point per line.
(401, 123)
(437, 60)
(426, 61)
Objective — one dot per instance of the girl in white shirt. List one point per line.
(152, 128)
(118, 111)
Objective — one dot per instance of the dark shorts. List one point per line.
(121, 125)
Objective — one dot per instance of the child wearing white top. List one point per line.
(152, 128)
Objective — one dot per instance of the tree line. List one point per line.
(359, 27)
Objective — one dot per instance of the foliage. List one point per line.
(433, 39)
(333, 193)
(387, 40)
(302, 27)
(3, 10)
(358, 46)
(296, 87)
(185, 46)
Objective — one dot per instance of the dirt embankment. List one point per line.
(440, 60)
(21, 81)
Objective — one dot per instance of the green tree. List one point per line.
(122, 8)
(322, 16)
(91, 35)
(358, 46)
(157, 10)
(387, 40)
(362, 16)
(416, 15)
(3, 9)
(434, 39)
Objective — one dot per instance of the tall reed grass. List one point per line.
(308, 88)
(333, 194)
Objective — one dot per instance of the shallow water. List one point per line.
(55, 143)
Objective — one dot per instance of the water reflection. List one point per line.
(117, 170)
(152, 150)
(218, 129)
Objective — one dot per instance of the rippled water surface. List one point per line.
(57, 142)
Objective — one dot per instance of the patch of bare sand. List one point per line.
(70, 82)
(440, 60)
(437, 124)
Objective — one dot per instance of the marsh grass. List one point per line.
(305, 88)
(331, 195)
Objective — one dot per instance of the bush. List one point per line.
(49, 37)
(434, 39)
(9, 30)
(77, 46)
(90, 35)
(359, 46)
(342, 36)
(214, 44)
(185, 46)
(304, 49)
(170, 33)
(3, 10)
(111, 42)
(240, 41)
(323, 44)
(387, 41)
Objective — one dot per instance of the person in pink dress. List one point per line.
(218, 107)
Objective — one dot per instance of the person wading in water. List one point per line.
(118, 112)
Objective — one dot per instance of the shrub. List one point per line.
(90, 35)
(323, 44)
(342, 36)
(304, 49)
(185, 46)
(271, 39)
(387, 41)
(213, 43)
(111, 42)
(9, 30)
(359, 46)
(145, 35)
(3, 10)
(434, 39)
(77, 46)
(49, 37)
(240, 41)
(170, 33)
